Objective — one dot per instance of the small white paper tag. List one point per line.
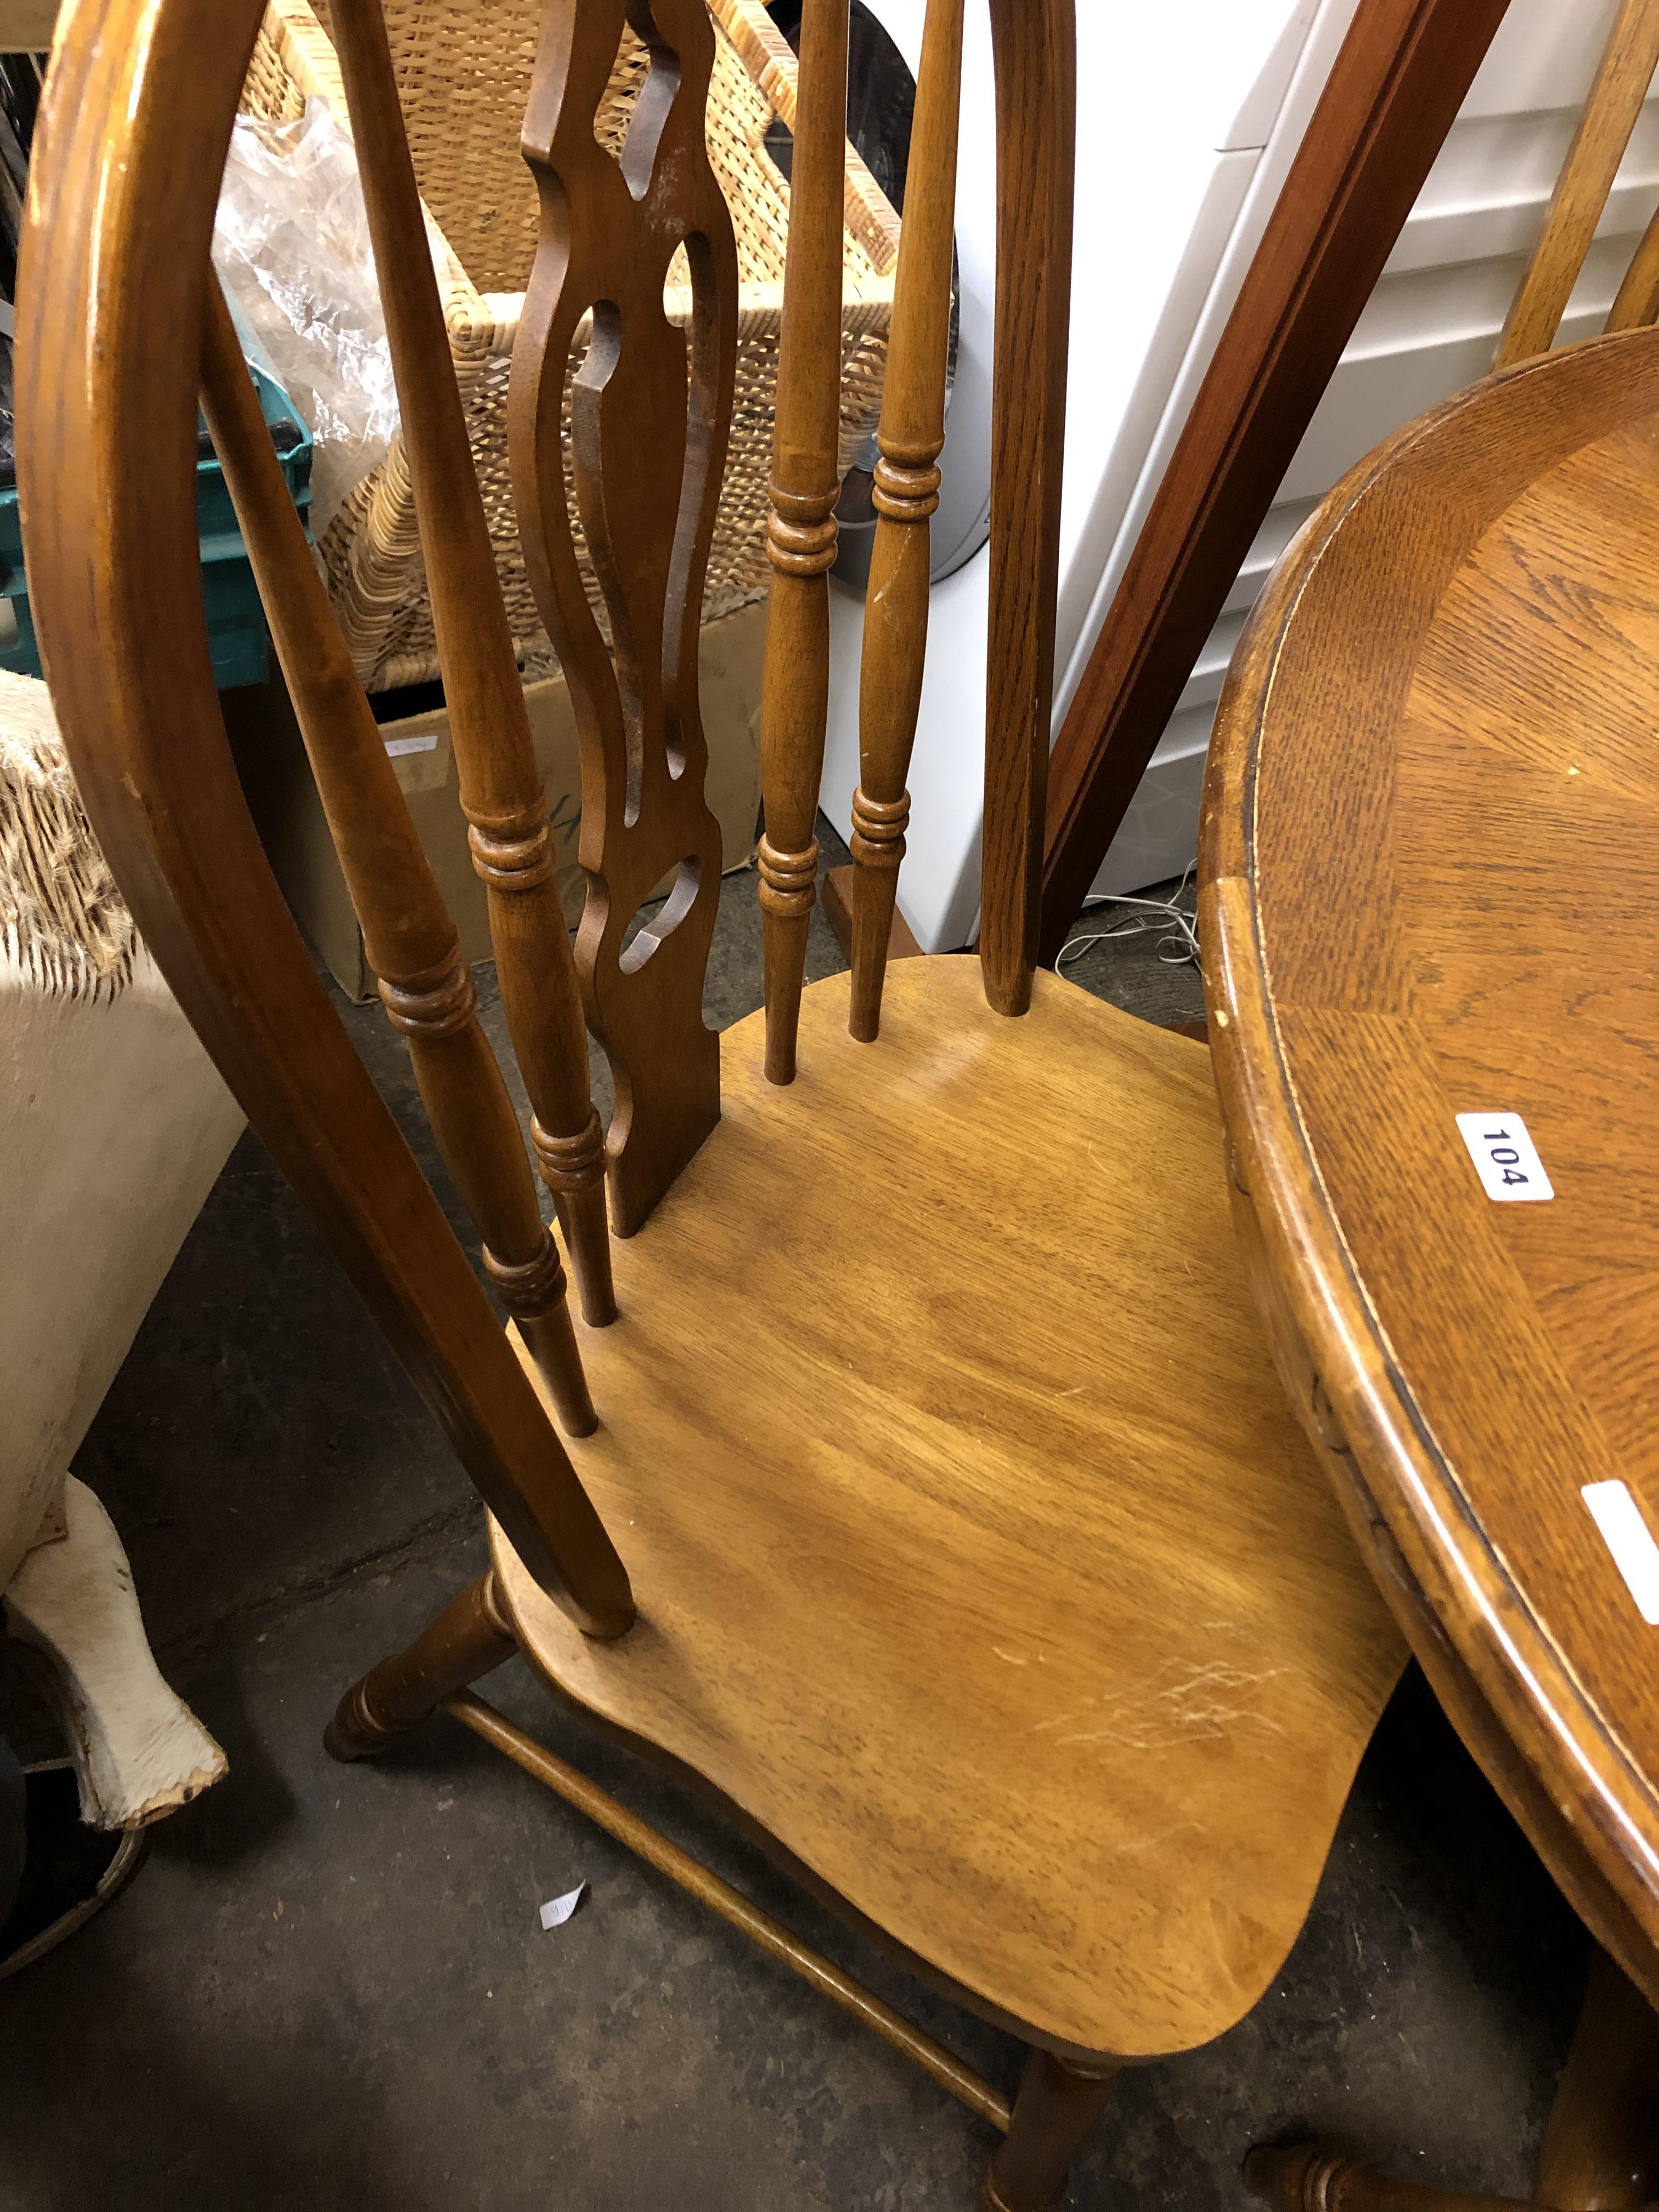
(558, 1910)
(1506, 1158)
(396, 747)
(1628, 1537)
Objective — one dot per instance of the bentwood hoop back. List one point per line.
(1052, 1676)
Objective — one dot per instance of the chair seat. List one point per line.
(978, 1559)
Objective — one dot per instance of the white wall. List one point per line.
(1190, 115)
(1430, 327)
(1178, 102)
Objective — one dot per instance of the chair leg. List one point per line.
(1601, 2147)
(1601, 2150)
(470, 1637)
(1056, 2107)
(1305, 2178)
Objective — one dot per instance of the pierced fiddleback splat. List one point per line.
(426, 986)
(911, 438)
(800, 532)
(650, 416)
(502, 791)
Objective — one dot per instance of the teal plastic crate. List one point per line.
(235, 619)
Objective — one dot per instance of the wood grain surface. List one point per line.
(1046, 1653)
(470, 1637)
(650, 413)
(26, 26)
(1429, 887)
(1056, 2107)
(1049, 1653)
(1637, 302)
(123, 186)
(1034, 43)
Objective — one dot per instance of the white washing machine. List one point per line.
(1190, 118)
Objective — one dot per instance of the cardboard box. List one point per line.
(277, 778)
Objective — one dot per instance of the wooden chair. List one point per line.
(1483, 523)
(944, 1518)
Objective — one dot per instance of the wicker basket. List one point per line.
(463, 69)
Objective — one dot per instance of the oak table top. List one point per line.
(1430, 890)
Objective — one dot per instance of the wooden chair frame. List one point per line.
(121, 240)
(123, 326)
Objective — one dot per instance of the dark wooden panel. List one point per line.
(1035, 55)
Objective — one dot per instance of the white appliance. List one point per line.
(1189, 119)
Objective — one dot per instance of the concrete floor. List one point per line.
(328, 1986)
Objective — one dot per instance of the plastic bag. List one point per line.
(291, 246)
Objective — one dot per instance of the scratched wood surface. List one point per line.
(1054, 1660)
(1430, 870)
(1052, 1664)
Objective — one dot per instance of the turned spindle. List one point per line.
(1305, 2178)
(425, 985)
(472, 1636)
(501, 791)
(800, 536)
(911, 438)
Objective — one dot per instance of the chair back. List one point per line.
(1616, 98)
(122, 325)
(647, 467)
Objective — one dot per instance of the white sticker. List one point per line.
(1628, 1537)
(399, 746)
(1506, 1158)
(558, 1910)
